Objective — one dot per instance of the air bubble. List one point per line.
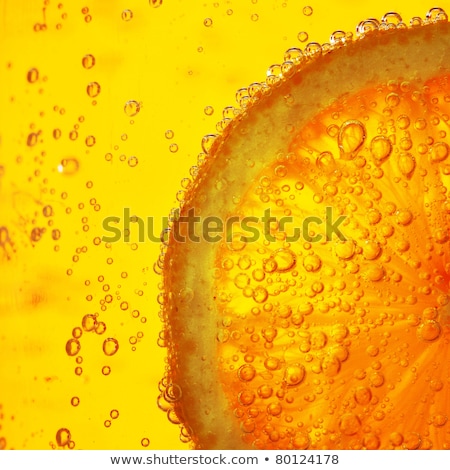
(88, 61)
(132, 108)
(352, 135)
(33, 75)
(63, 437)
(93, 89)
(73, 347)
(302, 36)
(127, 15)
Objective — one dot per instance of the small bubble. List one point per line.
(155, 3)
(73, 347)
(110, 346)
(173, 148)
(439, 152)
(106, 370)
(429, 331)
(207, 22)
(307, 11)
(380, 148)
(88, 61)
(254, 17)
(169, 134)
(246, 373)
(33, 75)
(93, 89)
(145, 442)
(114, 414)
(302, 36)
(349, 424)
(406, 164)
(351, 137)
(132, 161)
(209, 110)
(89, 322)
(294, 375)
(68, 166)
(90, 140)
(132, 108)
(127, 15)
(75, 401)
(47, 211)
(62, 437)
(32, 139)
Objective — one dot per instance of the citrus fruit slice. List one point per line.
(306, 274)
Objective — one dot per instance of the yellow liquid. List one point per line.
(88, 96)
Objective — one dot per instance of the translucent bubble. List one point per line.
(302, 36)
(127, 15)
(132, 161)
(209, 110)
(75, 401)
(73, 347)
(439, 152)
(363, 395)
(114, 414)
(47, 211)
(294, 374)
(284, 259)
(406, 164)
(88, 61)
(93, 89)
(208, 22)
(106, 370)
(429, 331)
(345, 250)
(411, 441)
(260, 294)
(155, 3)
(169, 134)
(90, 140)
(110, 346)
(89, 322)
(349, 424)
(132, 108)
(396, 438)
(380, 148)
(330, 365)
(246, 373)
(351, 137)
(68, 166)
(307, 11)
(145, 441)
(33, 75)
(312, 263)
(32, 139)
(62, 437)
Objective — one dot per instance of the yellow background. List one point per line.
(170, 62)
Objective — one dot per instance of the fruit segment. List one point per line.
(316, 315)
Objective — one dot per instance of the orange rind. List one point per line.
(332, 339)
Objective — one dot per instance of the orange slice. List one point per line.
(306, 276)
